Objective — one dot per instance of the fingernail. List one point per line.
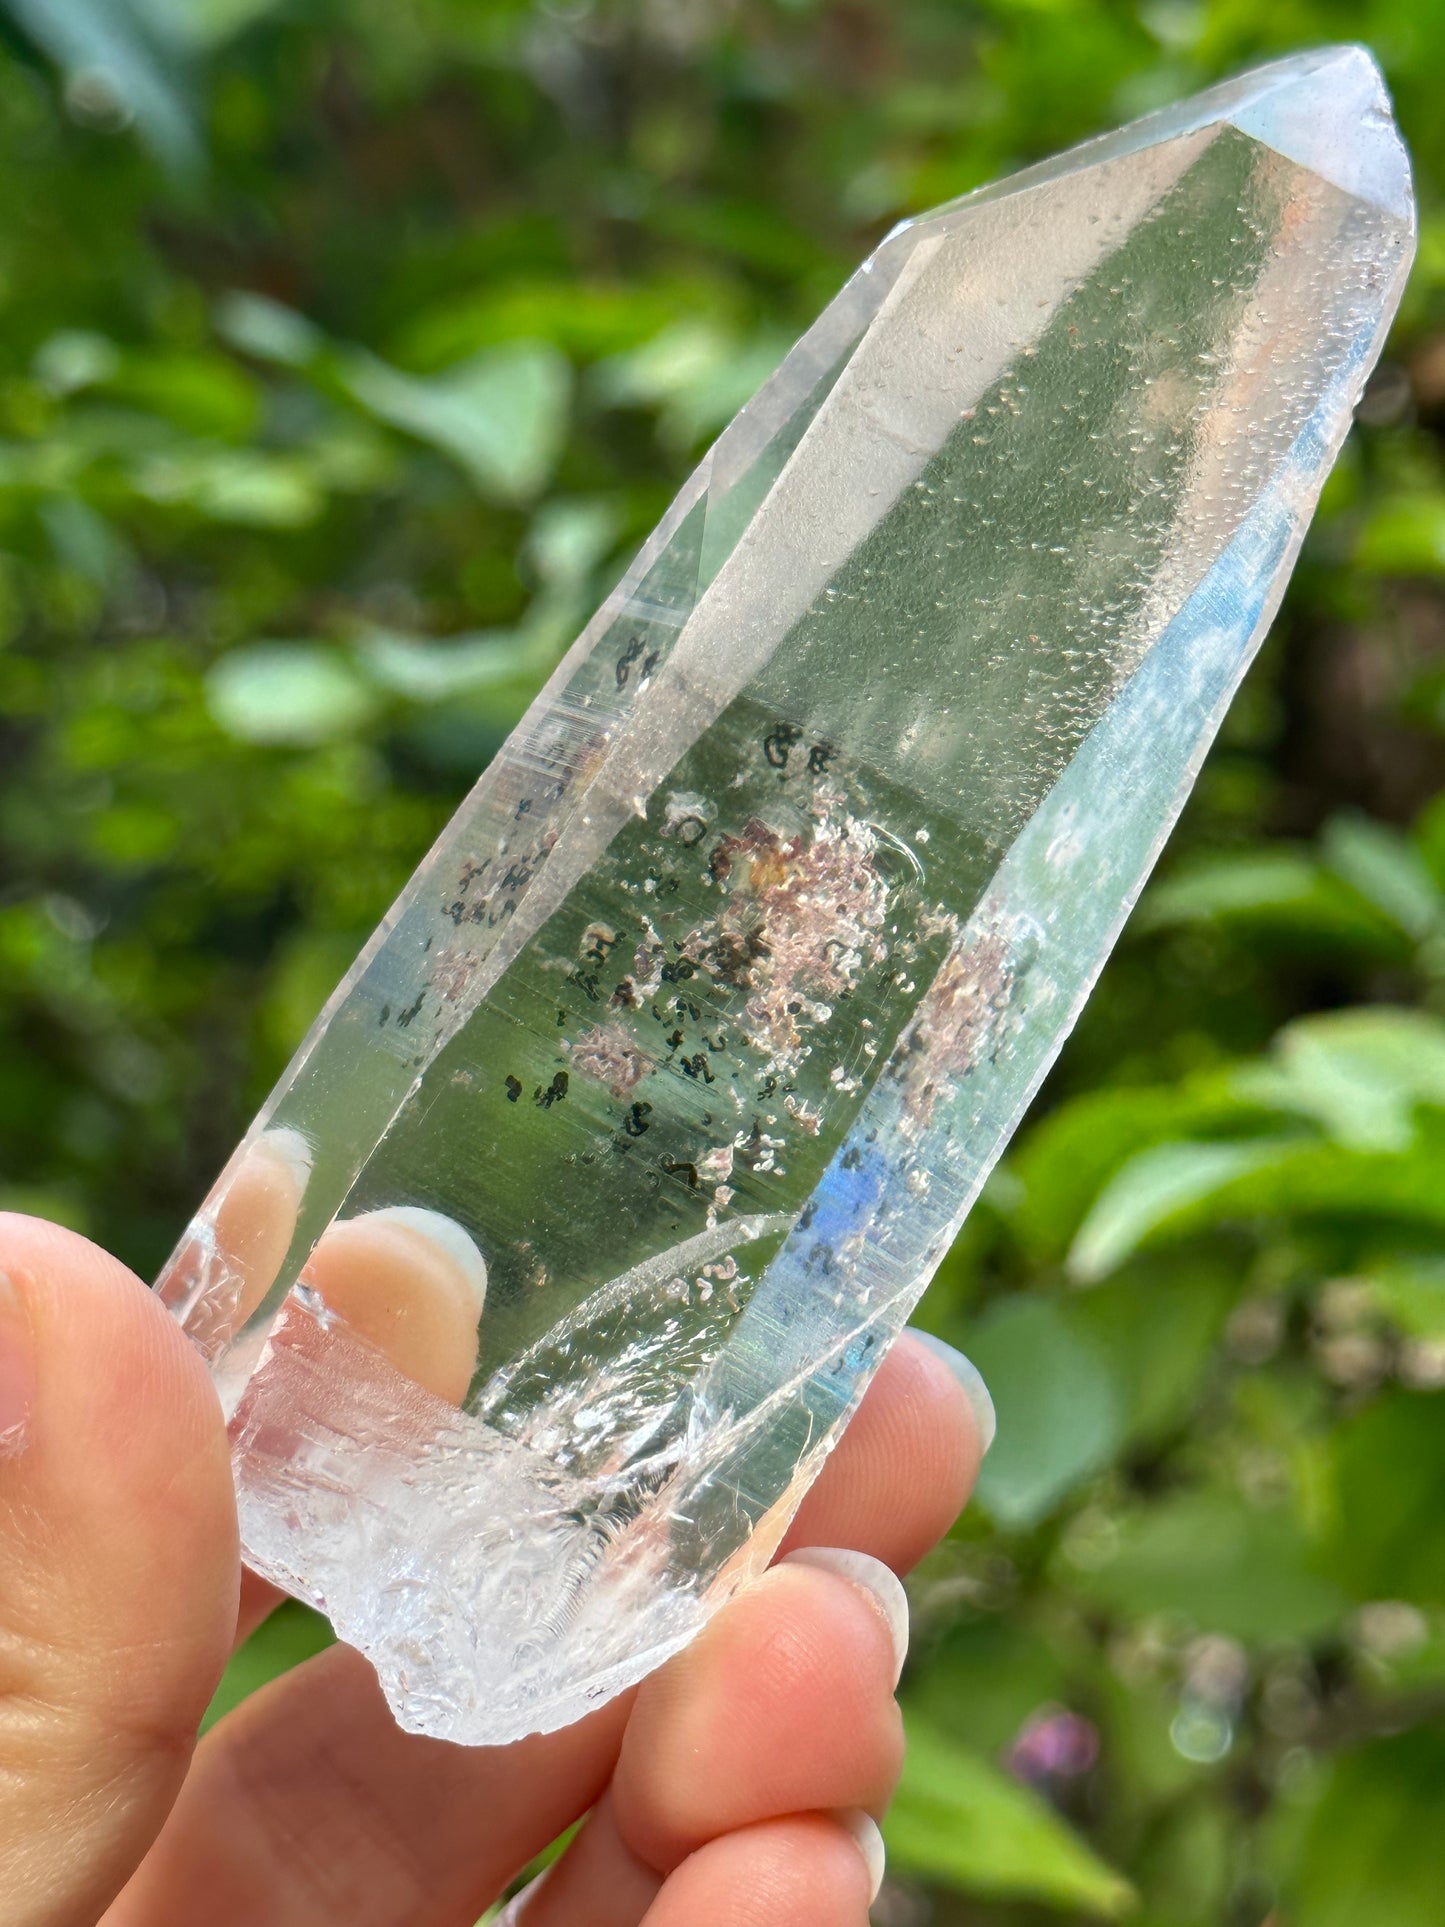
(17, 1372)
(288, 1147)
(971, 1379)
(870, 1575)
(864, 1829)
(448, 1238)
(412, 1284)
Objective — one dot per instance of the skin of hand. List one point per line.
(739, 1785)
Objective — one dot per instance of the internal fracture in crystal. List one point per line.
(551, 1269)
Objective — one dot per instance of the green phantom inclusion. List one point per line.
(710, 1011)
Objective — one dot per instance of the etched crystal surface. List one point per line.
(690, 1043)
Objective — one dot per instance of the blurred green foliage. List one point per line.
(345, 352)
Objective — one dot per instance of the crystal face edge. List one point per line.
(391, 1524)
(1329, 78)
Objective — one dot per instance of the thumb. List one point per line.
(118, 1570)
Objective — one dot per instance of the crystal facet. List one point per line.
(548, 1274)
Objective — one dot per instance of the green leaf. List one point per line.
(208, 24)
(287, 693)
(501, 415)
(1428, 836)
(1216, 1564)
(243, 486)
(959, 1820)
(1189, 1863)
(1155, 1188)
(85, 540)
(427, 671)
(1405, 535)
(206, 394)
(1059, 1410)
(1360, 1074)
(1371, 1853)
(266, 330)
(1377, 862)
(1158, 1328)
(1287, 894)
(1224, 886)
(1389, 1472)
(695, 373)
(75, 358)
(1065, 1161)
(1179, 1190)
(568, 538)
(1410, 1291)
(585, 320)
(986, 1676)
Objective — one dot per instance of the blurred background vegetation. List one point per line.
(347, 347)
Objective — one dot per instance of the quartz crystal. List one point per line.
(671, 1075)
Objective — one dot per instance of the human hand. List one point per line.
(733, 1788)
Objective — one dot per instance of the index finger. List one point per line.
(906, 1463)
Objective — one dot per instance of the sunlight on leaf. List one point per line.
(264, 328)
(287, 693)
(426, 670)
(1360, 1074)
(502, 414)
(1150, 1190)
(1374, 859)
(241, 485)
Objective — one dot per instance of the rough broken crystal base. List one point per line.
(546, 1278)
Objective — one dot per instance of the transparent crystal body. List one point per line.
(703, 1022)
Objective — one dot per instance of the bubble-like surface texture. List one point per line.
(710, 1011)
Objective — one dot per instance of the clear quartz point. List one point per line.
(547, 1276)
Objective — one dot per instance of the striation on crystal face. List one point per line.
(544, 1281)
